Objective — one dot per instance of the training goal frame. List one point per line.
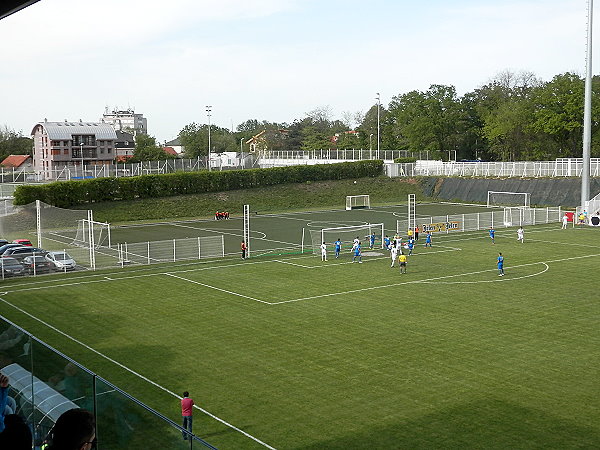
(357, 201)
(519, 199)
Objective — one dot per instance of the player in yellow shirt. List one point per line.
(410, 233)
(402, 262)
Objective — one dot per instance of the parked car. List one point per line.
(22, 252)
(25, 242)
(7, 246)
(61, 260)
(10, 267)
(36, 264)
(3, 241)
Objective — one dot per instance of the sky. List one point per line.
(272, 60)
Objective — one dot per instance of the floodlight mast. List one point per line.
(587, 113)
(208, 110)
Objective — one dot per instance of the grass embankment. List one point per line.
(290, 197)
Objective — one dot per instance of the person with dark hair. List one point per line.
(75, 429)
(3, 398)
(187, 405)
(16, 434)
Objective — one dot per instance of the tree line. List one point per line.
(515, 116)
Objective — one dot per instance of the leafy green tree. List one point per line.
(147, 150)
(14, 143)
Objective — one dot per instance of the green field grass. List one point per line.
(304, 354)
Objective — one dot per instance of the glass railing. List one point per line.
(44, 383)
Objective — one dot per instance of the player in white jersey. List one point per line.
(393, 254)
(323, 252)
(520, 234)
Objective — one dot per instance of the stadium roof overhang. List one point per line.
(8, 7)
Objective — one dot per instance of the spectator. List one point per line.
(75, 429)
(3, 398)
(16, 434)
(187, 405)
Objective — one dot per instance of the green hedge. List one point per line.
(68, 193)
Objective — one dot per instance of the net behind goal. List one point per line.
(90, 232)
(496, 198)
(357, 201)
(347, 235)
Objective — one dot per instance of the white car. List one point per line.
(61, 261)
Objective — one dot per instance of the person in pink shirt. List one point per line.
(187, 405)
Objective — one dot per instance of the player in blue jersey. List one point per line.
(428, 240)
(500, 265)
(372, 241)
(411, 244)
(357, 253)
(492, 234)
(386, 241)
(338, 247)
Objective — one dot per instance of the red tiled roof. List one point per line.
(15, 160)
(170, 151)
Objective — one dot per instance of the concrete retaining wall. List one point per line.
(544, 191)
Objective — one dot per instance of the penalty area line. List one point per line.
(133, 372)
(217, 289)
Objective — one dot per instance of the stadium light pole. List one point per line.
(81, 150)
(587, 113)
(208, 110)
(378, 104)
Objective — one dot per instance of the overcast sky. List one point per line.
(269, 60)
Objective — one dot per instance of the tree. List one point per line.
(147, 150)
(14, 143)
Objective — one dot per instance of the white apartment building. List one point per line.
(126, 120)
(58, 145)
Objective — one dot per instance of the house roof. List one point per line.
(170, 151)
(174, 143)
(15, 160)
(66, 130)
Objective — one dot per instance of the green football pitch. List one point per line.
(303, 354)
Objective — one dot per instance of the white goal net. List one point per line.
(347, 235)
(357, 201)
(496, 198)
(92, 233)
(514, 216)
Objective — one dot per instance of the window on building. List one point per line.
(66, 151)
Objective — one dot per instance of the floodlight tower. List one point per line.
(587, 112)
(208, 110)
(378, 105)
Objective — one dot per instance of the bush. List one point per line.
(69, 193)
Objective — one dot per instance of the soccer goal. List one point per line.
(347, 235)
(357, 201)
(92, 234)
(496, 198)
(514, 216)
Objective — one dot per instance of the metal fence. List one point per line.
(480, 221)
(533, 169)
(44, 383)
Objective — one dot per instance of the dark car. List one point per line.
(5, 247)
(10, 267)
(21, 252)
(3, 241)
(36, 264)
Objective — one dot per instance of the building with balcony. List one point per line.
(59, 145)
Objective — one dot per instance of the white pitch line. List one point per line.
(139, 375)
(218, 289)
(293, 264)
(546, 268)
(372, 288)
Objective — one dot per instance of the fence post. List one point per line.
(174, 255)
(148, 254)
(199, 254)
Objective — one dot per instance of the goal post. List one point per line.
(347, 235)
(91, 233)
(502, 199)
(357, 201)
